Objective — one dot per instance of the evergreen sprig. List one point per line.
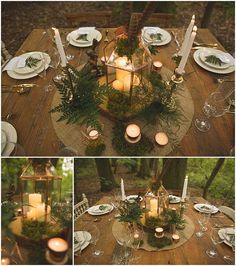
(126, 48)
(212, 59)
(81, 96)
(130, 212)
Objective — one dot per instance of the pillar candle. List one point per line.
(184, 192)
(31, 214)
(121, 62)
(118, 85)
(187, 36)
(127, 82)
(35, 198)
(180, 69)
(153, 207)
(60, 47)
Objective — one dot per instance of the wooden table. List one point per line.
(33, 121)
(192, 252)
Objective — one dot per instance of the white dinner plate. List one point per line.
(94, 34)
(11, 137)
(95, 210)
(225, 57)
(15, 75)
(174, 199)
(86, 241)
(147, 34)
(165, 39)
(197, 59)
(223, 235)
(205, 208)
(27, 70)
(3, 140)
(132, 198)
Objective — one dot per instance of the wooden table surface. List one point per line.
(192, 252)
(33, 121)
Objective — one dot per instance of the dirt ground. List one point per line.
(20, 18)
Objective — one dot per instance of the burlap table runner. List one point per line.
(70, 135)
(185, 234)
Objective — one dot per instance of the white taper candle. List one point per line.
(180, 68)
(187, 36)
(185, 187)
(60, 47)
(123, 196)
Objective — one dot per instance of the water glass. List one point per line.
(215, 238)
(203, 220)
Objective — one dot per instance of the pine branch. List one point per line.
(127, 11)
(148, 10)
(133, 28)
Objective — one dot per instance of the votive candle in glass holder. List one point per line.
(161, 138)
(159, 232)
(175, 238)
(5, 261)
(157, 65)
(58, 248)
(133, 131)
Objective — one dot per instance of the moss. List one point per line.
(95, 148)
(125, 148)
(158, 242)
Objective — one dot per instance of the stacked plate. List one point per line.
(228, 235)
(83, 37)
(205, 208)
(8, 138)
(133, 198)
(174, 199)
(81, 240)
(155, 36)
(18, 69)
(100, 209)
(224, 63)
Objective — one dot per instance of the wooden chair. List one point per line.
(158, 19)
(5, 55)
(81, 207)
(97, 19)
(228, 211)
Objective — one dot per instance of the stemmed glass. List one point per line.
(230, 259)
(79, 245)
(65, 39)
(136, 238)
(216, 105)
(203, 220)
(178, 38)
(215, 238)
(95, 234)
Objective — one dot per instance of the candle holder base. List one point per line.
(177, 79)
(134, 140)
(53, 262)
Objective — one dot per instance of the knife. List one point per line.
(26, 85)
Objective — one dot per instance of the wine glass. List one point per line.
(136, 238)
(95, 235)
(179, 38)
(230, 259)
(215, 238)
(65, 39)
(216, 105)
(203, 220)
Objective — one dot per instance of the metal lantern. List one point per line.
(163, 199)
(123, 73)
(38, 184)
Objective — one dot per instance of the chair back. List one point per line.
(158, 19)
(228, 211)
(5, 55)
(81, 207)
(97, 19)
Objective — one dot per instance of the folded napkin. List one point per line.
(85, 30)
(18, 61)
(226, 58)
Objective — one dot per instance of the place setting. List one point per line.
(155, 36)
(214, 60)
(84, 36)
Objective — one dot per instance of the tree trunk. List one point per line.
(214, 172)
(105, 174)
(207, 14)
(173, 173)
(76, 181)
(144, 169)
